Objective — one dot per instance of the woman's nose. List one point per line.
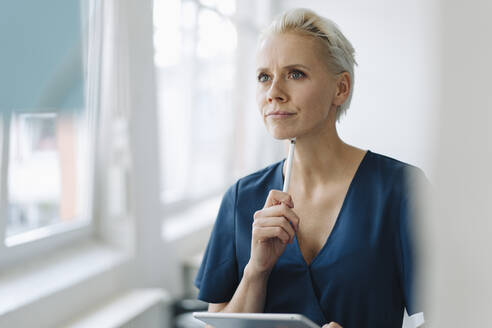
(276, 93)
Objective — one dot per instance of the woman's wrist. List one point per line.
(254, 275)
(251, 292)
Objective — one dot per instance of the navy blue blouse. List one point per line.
(364, 274)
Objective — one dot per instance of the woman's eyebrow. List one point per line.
(297, 65)
(264, 69)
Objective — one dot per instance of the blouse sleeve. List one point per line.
(409, 259)
(217, 277)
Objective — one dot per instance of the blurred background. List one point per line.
(122, 123)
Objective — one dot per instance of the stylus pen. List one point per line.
(289, 164)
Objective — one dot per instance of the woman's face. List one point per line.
(295, 90)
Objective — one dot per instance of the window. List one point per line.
(45, 135)
(210, 131)
(46, 170)
(195, 78)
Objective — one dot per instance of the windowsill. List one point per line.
(190, 220)
(59, 270)
(45, 232)
(119, 311)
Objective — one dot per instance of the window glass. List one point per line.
(45, 176)
(43, 65)
(195, 52)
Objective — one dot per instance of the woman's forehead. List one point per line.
(287, 49)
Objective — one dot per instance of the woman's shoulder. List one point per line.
(263, 179)
(387, 165)
(393, 172)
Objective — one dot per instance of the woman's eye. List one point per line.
(296, 75)
(262, 77)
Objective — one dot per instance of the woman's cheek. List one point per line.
(260, 103)
(260, 98)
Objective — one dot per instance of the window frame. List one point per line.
(42, 240)
(29, 244)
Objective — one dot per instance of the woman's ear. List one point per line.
(342, 90)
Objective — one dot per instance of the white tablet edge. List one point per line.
(257, 316)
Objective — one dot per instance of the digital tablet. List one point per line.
(255, 320)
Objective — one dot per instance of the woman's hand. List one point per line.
(332, 325)
(274, 226)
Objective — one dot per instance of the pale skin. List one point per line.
(295, 81)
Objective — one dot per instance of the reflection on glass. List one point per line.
(166, 32)
(195, 81)
(226, 7)
(42, 177)
(216, 35)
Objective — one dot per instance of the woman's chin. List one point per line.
(281, 131)
(282, 135)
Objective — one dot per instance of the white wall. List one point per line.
(459, 231)
(393, 109)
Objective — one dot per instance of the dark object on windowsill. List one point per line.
(189, 305)
(183, 313)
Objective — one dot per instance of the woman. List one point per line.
(337, 247)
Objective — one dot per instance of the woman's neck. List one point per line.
(321, 160)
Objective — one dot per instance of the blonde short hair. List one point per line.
(340, 51)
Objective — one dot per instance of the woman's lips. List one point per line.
(280, 114)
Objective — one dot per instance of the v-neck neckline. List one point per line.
(334, 229)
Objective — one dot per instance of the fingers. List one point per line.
(276, 219)
(279, 210)
(265, 233)
(332, 325)
(272, 222)
(276, 197)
